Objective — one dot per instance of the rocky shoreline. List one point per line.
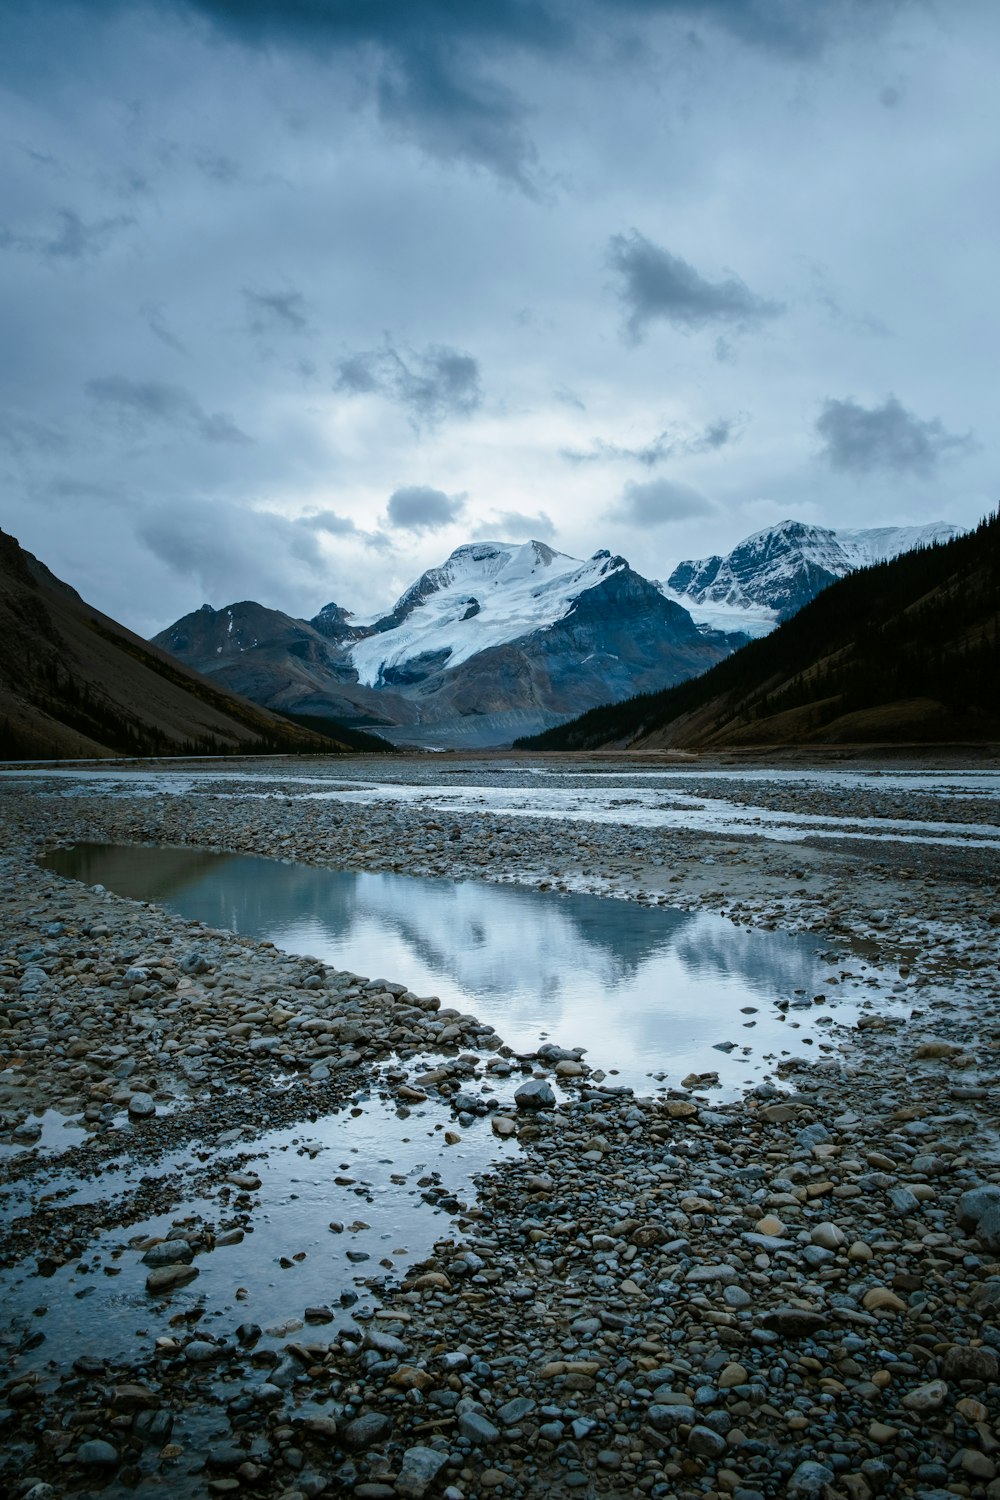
(795, 1293)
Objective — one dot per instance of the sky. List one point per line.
(296, 296)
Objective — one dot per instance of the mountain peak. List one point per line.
(770, 575)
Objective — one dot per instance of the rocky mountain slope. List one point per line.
(773, 573)
(905, 650)
(75, 683)
(502, 639)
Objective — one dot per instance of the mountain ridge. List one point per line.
(771, 574)
(906, 650)
(500, 636)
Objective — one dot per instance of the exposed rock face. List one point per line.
(772, 574)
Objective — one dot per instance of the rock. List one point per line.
(903, 1201)
(879, 1299)
(515, 1410)
(133, 1398)
(364, 1431)
(733, 1374)
(705, 1443)
(169, 1253)
(141, 1107)
(810, 1480)
(668, 1418)
(962, 1363)
(97, 1454)
(503, 1126)
(200, 1351)
(168, 1278)
(535, 1094)
(973, 1204)
(828, 1237)
(926, 1398)
(793, 1322)
(418, 1471)
(477, 1428)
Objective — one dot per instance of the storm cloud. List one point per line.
(417, 507)
(267, 261)
(657, 286)
(860, 440)
(436, 383)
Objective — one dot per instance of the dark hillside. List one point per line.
(907, 650)
(74, 683)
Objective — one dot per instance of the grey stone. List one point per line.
(477, 1428)
(166, 1278)
(669, 1418)
(371, 1427)
(974, 1203)
(141, 1106)
(418, 1471)
(535, 1094)
(705, 1443)
(961, 1363)
(97, 1454)
(168, 1253)
(514, 1410)
(810, 1480)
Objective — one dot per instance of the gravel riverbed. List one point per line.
(528, 1282)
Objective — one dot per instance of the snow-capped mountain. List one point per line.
(773, 573)
(501, 640)
(486, 594)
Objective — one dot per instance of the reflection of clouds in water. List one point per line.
(641, 988)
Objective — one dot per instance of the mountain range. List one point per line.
(772, 574)
(506, 639)
(503, 639)
(903, 651)
(75, 683)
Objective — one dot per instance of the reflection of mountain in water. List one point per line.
(488, 940)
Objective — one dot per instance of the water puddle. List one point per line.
(280, 1221)
(650, 992)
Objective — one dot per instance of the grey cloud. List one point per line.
(157, 326)
(143, 401)
(331, 524)
(425, 61)
(665, 445)
(516, 523)
(860, 440)
(437, 383)
(654, 502)
(417, 507)
(657, 285)
(270, 310)
(231, 551)
(73, 239)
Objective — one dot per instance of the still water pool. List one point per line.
(651, 993)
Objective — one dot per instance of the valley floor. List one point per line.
(796, 1292)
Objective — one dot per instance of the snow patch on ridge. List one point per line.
(485, 595)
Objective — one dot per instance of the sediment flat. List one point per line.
(793, 1292)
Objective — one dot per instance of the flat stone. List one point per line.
(167, 1278)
